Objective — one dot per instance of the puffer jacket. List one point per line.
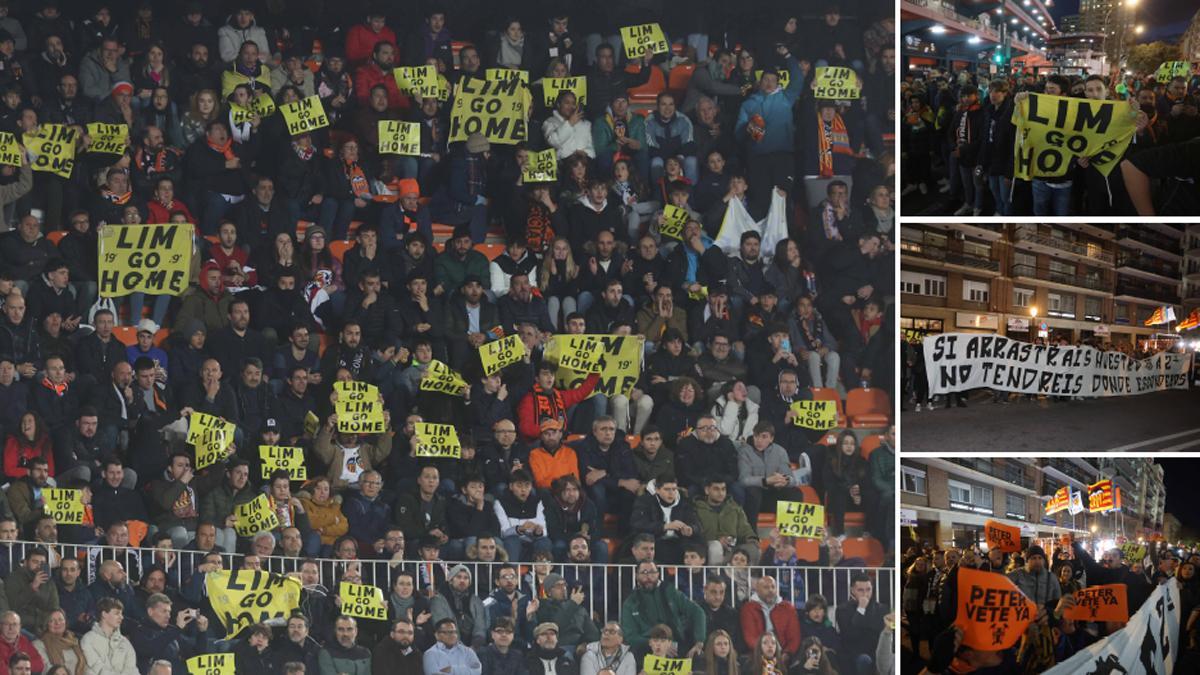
(230, 39)
(327, 518)
(776, 111)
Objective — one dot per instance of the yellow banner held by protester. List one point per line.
(239, 115)
(674, 221)
(305, 115)
(436, 440)
(10, 150)
(362, 601)
(255, 516)
(579, 352)
(263, 104)
(785, 76)
(53, 149)
(619, 358)
(506, 74)
(551, 86)
(290, 459)
(498, 354)
(817, 415)
(646, 37)
(64, 506)
(211, 436)
(497, 109)
(800, 519)
(312, 423)
(399, 138)
(542, 167)
(359, 408)
(440, 378)
(660, 665)
(154, 259)
(836, 82)
(108, 138)
(1172, 69)
(422, 81)
(212, 664)
(243, 598)
(1051, 130)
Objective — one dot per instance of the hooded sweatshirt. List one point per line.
(779, 617)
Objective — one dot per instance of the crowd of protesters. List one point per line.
(931, 644)
(958, 136)
(674, 472)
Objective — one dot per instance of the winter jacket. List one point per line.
(575, 625)
(621, 663)
(110, 654)
(708, 80)
(669, 137)
(450, 271)
(546, 661)
(697, 460)
(361, 41)
(230, 38)
(368, 518)
(11, 192)
(665, 604)
(96, 81)
(459, 659)
(726, 519)
(33, 605)
(649, 517)
(327, 517)
(604, 135)
(370, 455)
(198, 304)
(785, 623)
(755, 466)
(735, 420)
(568, 138)
(410, 517)
(218, 504)
(776, 111)
(617, 460)
(441, 607)
(335, 659)
(538, 403)
(24, 260)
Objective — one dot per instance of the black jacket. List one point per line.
(999, 135)
(696, 460)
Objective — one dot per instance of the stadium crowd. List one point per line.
(958, 136)
(930, 643)
(317, 259)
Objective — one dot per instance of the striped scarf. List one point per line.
(831, 138)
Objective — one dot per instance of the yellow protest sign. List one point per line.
(1172, 69)
(497, 354)
(579, 352)
(497, 109)
(837, 83)
(785, 76)
(660, 665)
(1053, 129)
(818, 415)
(10, 150)
(359, 408)
(312, 423)
(363, 602)
(674, 220)
(646, 37)
(64, 506)
(243, 598)
(108, 138)
(800, 519)
(211, 436)
(542, 167)
(399, 138)
(238, 114)
(255, 516)
(290, 459)
(506, 75)
(155, 259)
(440, 378)
(53, 149)
(212, 664)
(422, 81)
(551, 86)
(619, 358)
(305, 115)
(436, 440)
(263, 104)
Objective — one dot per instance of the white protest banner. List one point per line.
(963, 361)
(1148, 644)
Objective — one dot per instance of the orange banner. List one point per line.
(1060, 501)
(1100, 603)
(1101, 496)
(1003, 537)
(992, 612)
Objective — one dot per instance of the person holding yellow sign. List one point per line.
(764, 124)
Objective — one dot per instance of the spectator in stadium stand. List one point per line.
(859, 622)
(567, 610)
(502, 656)
(723, 524)
(508, 601)
(570, 512)
(24, 491)
(158, 638)
(767, 612)
(717, 612)
(14, 643)
(423, 512)
(351, 455)
(76, 601)
(208, 302)
(653, 603)
(522, 517)
(846, 481)
(343, 654)
(663, 512)
(105, 649)
(567, 130)
(764, 125)
(546, 657)
(31, 593)
(448, 654)
(543, 402)
(608, 654)
(765, 471)
(19, 338)
(218, 505)
(706, 453)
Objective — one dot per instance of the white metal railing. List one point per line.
(605, 585)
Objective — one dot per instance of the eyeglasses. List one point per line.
(508, 576)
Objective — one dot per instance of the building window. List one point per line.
(1014, 507)
(1060, 305)
(1091, 309)
(1022, 258)
(912, 480)
(918, 283)
(975, 291)
(1022, 297)
(977, 249)
(1062, 272)
(968, 497)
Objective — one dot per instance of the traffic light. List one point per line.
(999, 57)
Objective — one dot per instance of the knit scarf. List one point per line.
(56, 645)
(770, 667)
(831, 138)
(58, 389)
(302, 152)
(358, 181)
(114, 198)
(510, 52)
(225, 148)
(538, 230)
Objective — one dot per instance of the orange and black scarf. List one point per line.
(831, 138)
(358, 180)
(225, 149)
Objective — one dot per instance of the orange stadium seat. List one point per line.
(56, 236)
(633, 441)
(491, 251)
(126, 334)
(867, 548)
(646, 93)
(869, 444)
(808, 550)
(680, 77)
(338, 248)
(160, 337)
(826, 394)
(810, 494)
(868, 408)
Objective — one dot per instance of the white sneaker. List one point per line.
(908, 190)
(976, 212)
(924, 189)
(918, 407)
(964, 210)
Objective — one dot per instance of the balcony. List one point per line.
(1138, 264)
(1069, 468)
(1027, 236)
(1134, 291)
(911, 248)
(1009, 473)
(1151, 241)
(1043, 274)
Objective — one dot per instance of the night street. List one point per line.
(1165, 421)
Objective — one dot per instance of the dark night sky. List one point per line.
(1162, 18)
(1180, 477)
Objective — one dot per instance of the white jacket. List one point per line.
(108, 654)
(566, 138)
(727, 414)
(592, 661)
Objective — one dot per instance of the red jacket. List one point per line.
(162, 214)
(23, 645)
(370, 74)
(17, 449)
(784, 619)
(538, 404)
(361, 40)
